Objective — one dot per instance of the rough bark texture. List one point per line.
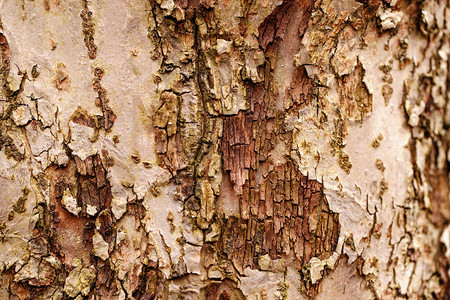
(200, 149)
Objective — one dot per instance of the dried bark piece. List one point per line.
(5, 57)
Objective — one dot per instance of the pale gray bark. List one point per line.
(177, 149)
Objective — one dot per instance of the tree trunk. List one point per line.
(200, 149)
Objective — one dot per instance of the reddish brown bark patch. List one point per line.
(355, 99)
(275, 25)
(300, 86)
(151, 284)
(94, 189)
(288, 216)
(82, 117)
(224, 290)
(87, 182)
(69, 229)
(106, 287)
(188, 4)
(283, 213)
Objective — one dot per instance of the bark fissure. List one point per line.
(203, 149)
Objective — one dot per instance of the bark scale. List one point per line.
(182, 149)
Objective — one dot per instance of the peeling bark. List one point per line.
(197, 149)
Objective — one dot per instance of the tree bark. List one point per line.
(200, 149)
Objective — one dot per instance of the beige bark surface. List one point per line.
(201, 149)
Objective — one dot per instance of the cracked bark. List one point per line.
(181, 149)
